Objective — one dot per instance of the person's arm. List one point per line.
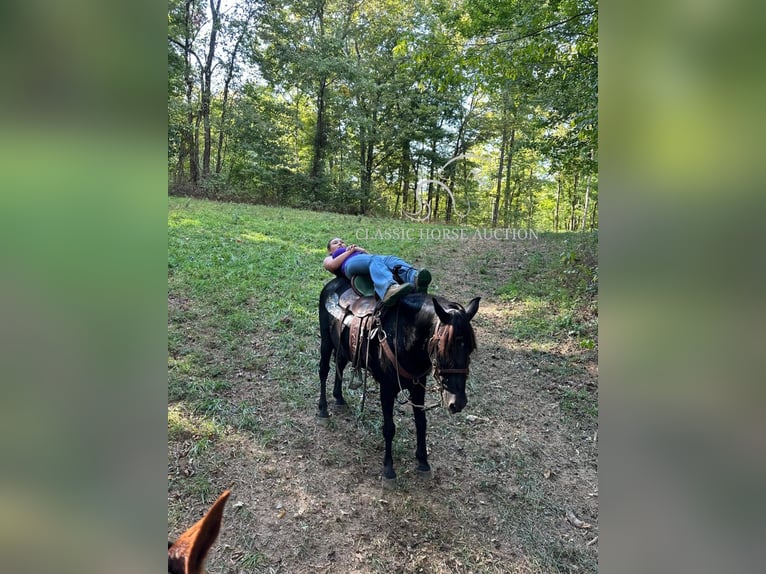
(334, 265)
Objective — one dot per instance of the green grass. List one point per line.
(252, 560)
(554, 290)
(578, 404)
(181, 425)
(243, 282)
(243, 342)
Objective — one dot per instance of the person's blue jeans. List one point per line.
(380, 269)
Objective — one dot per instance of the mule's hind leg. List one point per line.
(325, 354)
(417, 397)
(337, 391)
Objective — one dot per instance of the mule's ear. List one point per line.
(472, 307)
(440, 312)
(187, 554)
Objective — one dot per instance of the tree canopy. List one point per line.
(462, 111)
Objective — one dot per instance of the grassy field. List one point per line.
(515, 474)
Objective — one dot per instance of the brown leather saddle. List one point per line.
(361, 316)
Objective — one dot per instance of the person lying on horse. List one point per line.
(349, 260)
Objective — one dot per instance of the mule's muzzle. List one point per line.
(455, 403)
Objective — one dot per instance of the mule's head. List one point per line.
(187, 554)
(451, 349)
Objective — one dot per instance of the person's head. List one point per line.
(334, 244)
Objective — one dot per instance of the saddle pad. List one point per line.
(363, 285)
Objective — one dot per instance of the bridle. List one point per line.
(436, 348)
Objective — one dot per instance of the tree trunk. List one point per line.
(500, 166)
(587, 200)
(192, 143)
(459, 149)
(225, 100)
(431, 174)
(404, 177)
(558, 203)
(593, 214)
(416, 170)
(507, 191)
(511, 211)
(573, 214)
(207, 78)
(339, 172)
(194, 158)
(450, 200)
(531, 201)
(186, 149)
(366, 149)
(363, 178)
(587, 197)
(320, 142)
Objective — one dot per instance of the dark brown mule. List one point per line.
(187, 554)
(419, 335)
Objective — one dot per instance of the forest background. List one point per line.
(473, 112)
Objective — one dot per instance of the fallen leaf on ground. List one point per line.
(576, 522)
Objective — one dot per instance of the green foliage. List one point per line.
(555, 291)
(346, 106)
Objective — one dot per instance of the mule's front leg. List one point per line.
(389, 428)
(417, 396)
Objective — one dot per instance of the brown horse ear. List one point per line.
(187, 554)
(440, 312)
(472, 307)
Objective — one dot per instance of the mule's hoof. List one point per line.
(342, 408)
(425, 474)
(388, 483)
(323, 420)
